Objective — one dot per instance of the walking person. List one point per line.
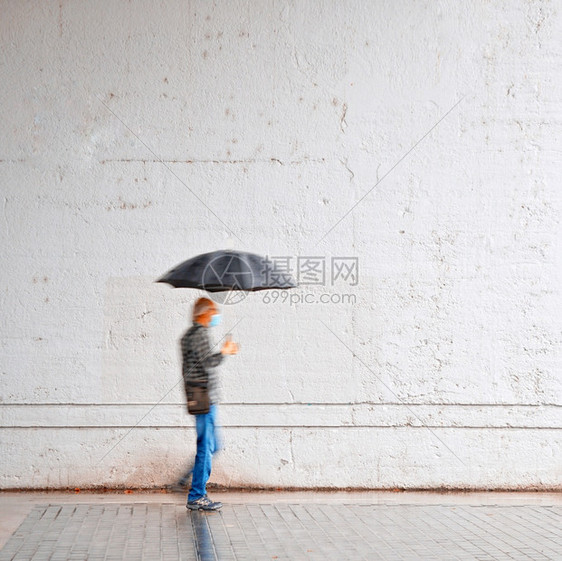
(199, 369)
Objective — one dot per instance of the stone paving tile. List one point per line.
(291, 532)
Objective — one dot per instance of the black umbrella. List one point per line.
(224, 270)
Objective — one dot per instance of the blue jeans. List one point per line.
(207, 444)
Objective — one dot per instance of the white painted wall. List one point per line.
(138, 134)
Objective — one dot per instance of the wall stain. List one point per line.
(60, 19)
(121, 204)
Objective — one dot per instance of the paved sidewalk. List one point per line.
(285, 526)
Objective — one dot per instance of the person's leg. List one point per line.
(212, 443)
(217, 440)
(202, 467)
(184, 479)
(215, 447)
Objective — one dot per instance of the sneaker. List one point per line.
(203, 503)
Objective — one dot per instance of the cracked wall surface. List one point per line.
(421, 139)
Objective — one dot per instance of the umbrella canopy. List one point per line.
(225, 270)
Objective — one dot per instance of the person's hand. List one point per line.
(229, 348)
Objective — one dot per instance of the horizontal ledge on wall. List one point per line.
(273, 403)
(246, 161)
(276, 415)
(159, 427)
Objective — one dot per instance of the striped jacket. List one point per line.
(198, 361)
